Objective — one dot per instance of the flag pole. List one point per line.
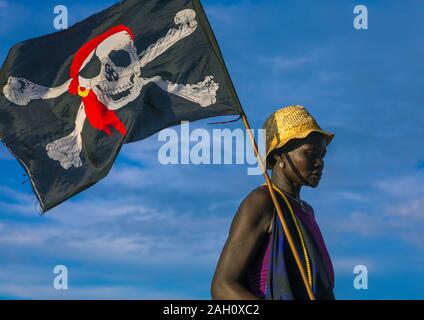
(203, 20)
(278, 208)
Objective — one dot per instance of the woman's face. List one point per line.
(304, 162)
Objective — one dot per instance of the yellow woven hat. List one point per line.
(292, 122)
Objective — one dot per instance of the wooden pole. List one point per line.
(218, 54)
(278, 208)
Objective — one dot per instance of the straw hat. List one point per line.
(292, 122)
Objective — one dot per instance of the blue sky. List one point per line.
(150, 231)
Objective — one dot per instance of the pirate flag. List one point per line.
(69, 100)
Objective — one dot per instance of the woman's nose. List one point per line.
(319, 163)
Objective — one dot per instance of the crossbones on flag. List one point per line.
(69, 100)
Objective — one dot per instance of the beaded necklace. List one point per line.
(302, 242)
(300, 202)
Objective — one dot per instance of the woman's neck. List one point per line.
(286, 185)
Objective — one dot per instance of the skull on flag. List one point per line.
(117, 83)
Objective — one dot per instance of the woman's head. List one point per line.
(296, 145)
(301, 161)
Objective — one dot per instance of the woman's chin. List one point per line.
(314, 182)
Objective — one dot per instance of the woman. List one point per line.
(256, 261)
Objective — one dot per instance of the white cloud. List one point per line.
(123, 230)
(125, 234)
(393, 210)
(227, 15)
(17, 285)
(15, 195)
(283, 63)
(28, 281)
(362, 224)
(402, 186)
(344, 265)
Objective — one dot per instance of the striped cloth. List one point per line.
(273, 273)
(257, 273)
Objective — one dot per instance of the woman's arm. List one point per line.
(248, 230)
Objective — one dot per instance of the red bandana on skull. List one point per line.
(99, 116)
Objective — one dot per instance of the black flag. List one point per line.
(69, 100)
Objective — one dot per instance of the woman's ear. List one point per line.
(280, 160)
(276, 157)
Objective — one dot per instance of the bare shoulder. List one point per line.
(248, 231)
(257, 208)
(259, 198)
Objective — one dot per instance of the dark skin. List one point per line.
(299, 164)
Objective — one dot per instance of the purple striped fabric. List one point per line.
(258, 271)
(308, 219)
